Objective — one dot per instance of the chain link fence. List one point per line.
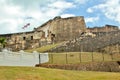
(81, 57)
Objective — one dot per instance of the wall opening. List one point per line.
(53, 37)
(118, 62)
(24, 38)
(31, 37)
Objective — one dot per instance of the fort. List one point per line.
(53, 31)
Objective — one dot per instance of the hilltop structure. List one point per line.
(53, 31)
(106, 28)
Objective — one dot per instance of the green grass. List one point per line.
(43, 48)
(74, 57)
(37, 73)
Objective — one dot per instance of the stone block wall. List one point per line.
(64, 29)
(106, 28)
(55, 30)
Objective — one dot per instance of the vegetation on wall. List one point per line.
(2, 42)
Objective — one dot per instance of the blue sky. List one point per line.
(16, 13)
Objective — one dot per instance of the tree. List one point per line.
(2, 42)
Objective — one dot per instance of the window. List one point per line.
(24, 38)
(53, 35)
(31, 37)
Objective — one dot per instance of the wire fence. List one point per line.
(80, 57)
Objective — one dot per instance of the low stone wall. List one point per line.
(93, 66)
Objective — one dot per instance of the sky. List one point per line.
(14, 14)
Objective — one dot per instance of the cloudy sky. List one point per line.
(14, 14)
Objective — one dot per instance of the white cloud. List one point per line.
(91, 19)
(14, 13)
(110, 8)
(80, 1)
(13, 10)
(89, 10)
(57, 8)
(61, 5)
(9, 17)
(67, 15)
(9, 25)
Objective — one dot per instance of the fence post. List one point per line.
(111, 56)
(92, 53)
(80, 54)
(92, 56)
(51, 58)
(119, 48)
(39, 59)
(66, 59)
(103, 56)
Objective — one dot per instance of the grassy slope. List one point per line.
(35, 73)
(43, 48)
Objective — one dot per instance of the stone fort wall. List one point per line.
(106, 28)
(55, 30)
(62, 29)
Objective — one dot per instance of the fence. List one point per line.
(22, 58)
(79, 57)
(8, 58)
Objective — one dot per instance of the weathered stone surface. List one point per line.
(53, 31)
(56, 30)
(89, 44)
(64, 28)
(24, 40)
(106, 28)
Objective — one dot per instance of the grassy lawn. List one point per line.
(78, 57)
(37, 73)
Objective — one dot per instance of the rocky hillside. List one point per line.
(89, 43)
